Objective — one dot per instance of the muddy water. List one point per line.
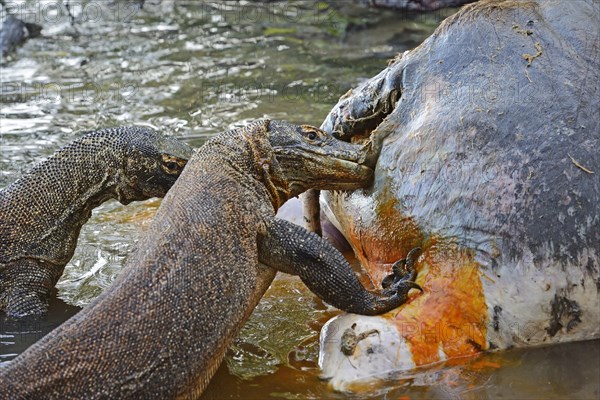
(192, 69)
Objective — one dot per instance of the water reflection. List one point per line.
(16, 336)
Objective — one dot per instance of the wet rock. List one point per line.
(406, 5)
(13, 32)
(416, 5)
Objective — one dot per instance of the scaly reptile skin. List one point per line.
(42, 213)
(162, 329)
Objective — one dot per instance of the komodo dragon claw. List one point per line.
(401, 280)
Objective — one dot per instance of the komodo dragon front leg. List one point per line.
(292, 249)
(28, 290)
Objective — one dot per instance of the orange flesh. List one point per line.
(389, 239)
(451, 315)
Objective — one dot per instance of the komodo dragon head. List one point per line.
(309, 158)
(153, 163)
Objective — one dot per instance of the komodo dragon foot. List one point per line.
(292, 249)
(403, 271)
(401, 280)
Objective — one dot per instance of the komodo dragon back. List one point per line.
(42, 213)
(162, 329)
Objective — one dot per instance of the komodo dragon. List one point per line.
(161, 330)
(42, 213)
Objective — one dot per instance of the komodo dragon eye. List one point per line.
(172, 165)
(310, 132)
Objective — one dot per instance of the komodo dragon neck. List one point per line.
(266, 168)
(70, 184)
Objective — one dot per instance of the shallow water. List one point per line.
(193, 69)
